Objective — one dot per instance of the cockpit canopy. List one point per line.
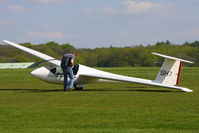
(58, 71)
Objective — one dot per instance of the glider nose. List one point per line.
(44, 74)
(36, 72)
(40, 72)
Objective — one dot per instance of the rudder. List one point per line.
(169, 73)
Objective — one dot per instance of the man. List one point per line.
(67, 63)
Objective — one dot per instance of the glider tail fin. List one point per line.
(170, 71)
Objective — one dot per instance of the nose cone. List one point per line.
(35, 73)
(40, 72)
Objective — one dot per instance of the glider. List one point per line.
(167, 77)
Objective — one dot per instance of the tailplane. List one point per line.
(169, 73)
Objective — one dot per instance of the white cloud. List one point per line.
(51, 1)
(134, 7)
(110, 10)
(4, 22)
(45, 35)
(87, 10)
(191, 34)
(46, 26)
(15, 8)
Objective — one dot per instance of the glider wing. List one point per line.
(35, 53)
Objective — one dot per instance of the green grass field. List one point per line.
(28, 105)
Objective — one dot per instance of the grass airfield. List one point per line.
(28, 105)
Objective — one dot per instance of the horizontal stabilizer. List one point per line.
(172, 58)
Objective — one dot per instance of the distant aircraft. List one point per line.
(167, 77)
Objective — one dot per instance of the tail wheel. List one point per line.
(78, 88)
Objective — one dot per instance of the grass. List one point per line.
(30, 105)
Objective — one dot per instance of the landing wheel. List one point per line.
(78, 88)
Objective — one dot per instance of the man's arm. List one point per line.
(72, 61)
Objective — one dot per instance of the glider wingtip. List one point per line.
(191, 62)
(187, 90)
(5, 41)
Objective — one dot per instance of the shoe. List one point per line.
(70, 89)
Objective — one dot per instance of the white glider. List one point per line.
(167, 77)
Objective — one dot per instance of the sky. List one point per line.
(99, 23)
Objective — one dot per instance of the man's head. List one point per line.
(74, 53)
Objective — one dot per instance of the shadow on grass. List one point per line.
(136, 89)
(33, 90)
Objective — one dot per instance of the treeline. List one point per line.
(107, 57)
